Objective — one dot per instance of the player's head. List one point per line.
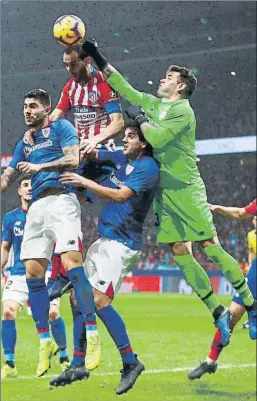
(24, 188)
(254, 221)
(178, 81)
(37, 106)
(134, 142)
(77, 64)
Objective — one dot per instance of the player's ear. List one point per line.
(48, 109)
(181, 87)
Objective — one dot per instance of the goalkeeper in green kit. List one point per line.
(180, 204)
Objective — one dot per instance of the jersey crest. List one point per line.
(46, 132)
(129, 169)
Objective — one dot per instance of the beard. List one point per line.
(34, 122)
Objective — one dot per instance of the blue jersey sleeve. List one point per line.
(143, 176)
(67, 132)
(112, 107)
(6, 231)
(116, 157)
(18, 154)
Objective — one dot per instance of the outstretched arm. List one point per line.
(116, 195)
(237, 213)
(113, 77)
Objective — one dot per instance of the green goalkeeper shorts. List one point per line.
(182, 212)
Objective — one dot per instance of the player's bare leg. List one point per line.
(233, 273)
(210, 363)
(10, 311)
(198, 279)
(132, 367)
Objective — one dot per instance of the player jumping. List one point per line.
(97, 117)
(129, 192)
(15, 293)
(53, 218)
(237, 307)
(182, 213)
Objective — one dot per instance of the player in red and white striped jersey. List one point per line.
(95, 106)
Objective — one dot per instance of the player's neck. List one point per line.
(24, 205)
(172, 98)
(135, 156)
(43, 124)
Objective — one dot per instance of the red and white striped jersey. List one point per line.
(91, 104)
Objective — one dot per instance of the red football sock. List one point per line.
(216, 346)
(56, 265)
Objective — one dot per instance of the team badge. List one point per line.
(46, 132)
(163, 114)
(92, 96)
(129, 169)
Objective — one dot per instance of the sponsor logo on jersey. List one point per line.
(116, 181)
(46, 132)
(85, 116)
(129, 169)
(41, 145)
(17, 223)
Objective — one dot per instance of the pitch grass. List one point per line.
(168, 332)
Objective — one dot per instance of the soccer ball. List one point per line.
(69, 30)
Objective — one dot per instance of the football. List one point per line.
(69, 30)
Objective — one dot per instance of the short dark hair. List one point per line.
(187, 77)
(39, 94)
(23, 178)
(78, 49)
(148, 151)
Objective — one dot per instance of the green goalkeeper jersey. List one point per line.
(172, 134)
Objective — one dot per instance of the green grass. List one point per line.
(168, 332)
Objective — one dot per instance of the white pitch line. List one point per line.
(148, 371)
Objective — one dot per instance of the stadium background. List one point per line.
(171, 332)
(215, 39)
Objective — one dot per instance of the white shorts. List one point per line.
(55, 219)
(16, 289)
(107, 263)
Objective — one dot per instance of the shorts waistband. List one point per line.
(51, 191)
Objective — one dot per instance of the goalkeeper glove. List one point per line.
(137, 114)
(91, 49)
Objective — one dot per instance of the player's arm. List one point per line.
(238, 213)
(159, 135)
(6, 241)
(115, 126)
(70, 161)
(11, 173)
(113, 77)
(70, 147)
(56, 113)
(117, 195)
(5, 249)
